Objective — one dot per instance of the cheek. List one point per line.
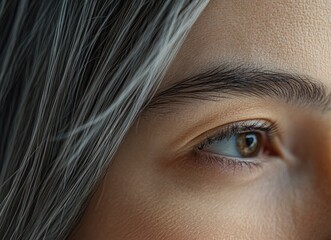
(129, 212)
(135, 205)
(139, 202)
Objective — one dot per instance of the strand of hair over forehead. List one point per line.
(74, 75)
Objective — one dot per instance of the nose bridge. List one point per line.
(319, 173)
(311, 210)
(311, 186)
(321, 168)
(316, 220)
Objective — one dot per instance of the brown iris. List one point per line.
(249, 144)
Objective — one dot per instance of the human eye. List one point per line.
(240, 144)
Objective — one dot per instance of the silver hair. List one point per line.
(74, 75)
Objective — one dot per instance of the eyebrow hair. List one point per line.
(226, 81)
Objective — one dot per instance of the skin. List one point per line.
(153, 189)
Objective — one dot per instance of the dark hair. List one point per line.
(73, 77)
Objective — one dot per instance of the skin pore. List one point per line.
(158, 187)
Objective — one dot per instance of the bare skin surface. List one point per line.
(154, 190)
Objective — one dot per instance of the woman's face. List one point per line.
(242, 148)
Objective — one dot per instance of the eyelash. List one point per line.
(270, 129)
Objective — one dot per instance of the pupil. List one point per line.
(250, 140)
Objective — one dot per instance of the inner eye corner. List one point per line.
(271, 147)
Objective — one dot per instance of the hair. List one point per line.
(74, 75)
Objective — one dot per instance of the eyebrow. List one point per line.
(226, 81)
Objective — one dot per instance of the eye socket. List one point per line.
(247, 139)
(245, 145)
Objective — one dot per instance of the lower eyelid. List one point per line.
(227, 164)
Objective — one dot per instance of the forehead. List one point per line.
(285, 35)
